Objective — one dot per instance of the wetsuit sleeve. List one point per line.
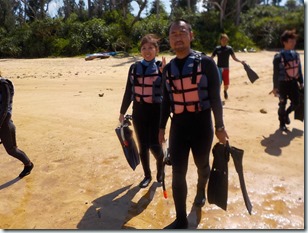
(127, 94)
(165, 106)
(214, 52)
(211, 71)
(276, 62)
(6, 98)
(231, 51)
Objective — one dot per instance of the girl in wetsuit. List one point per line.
(144, 88)
(7, 127)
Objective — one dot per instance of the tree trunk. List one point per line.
(89, 9)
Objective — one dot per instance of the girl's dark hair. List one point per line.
(150, 38)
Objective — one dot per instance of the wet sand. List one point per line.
(66, 110)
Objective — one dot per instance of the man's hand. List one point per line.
(275, 92)
(222, 136)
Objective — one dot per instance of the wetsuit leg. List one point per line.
(155, 147)
(283, 90)
(293, 96)
(141, 128)
(179, 151)
(144, 154)
(8, 138)
(201, 143)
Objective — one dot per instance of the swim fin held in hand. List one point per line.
(166, 161)
(218, 182)
(299, 113)
(217, 191)
(125, 136)
(237, 156)
(253, 76)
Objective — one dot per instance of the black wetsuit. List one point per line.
(287, 87)
(223, 53)
(7, 128)
(146, 124)
(192, 130)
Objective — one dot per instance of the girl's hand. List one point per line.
(163, 64)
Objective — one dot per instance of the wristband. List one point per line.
(219, 129)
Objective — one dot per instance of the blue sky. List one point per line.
(56, 4)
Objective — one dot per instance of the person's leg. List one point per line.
(141, 133)
(157, 151)
(8, 138)
(282, 105)
(155, 147)
(294, 97)
(282, 112)
(201, 148)
(179, 152)
(225, 75)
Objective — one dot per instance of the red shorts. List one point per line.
(224, 73)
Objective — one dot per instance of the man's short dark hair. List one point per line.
(288, 34)
(178, 22)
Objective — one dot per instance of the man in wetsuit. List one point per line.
(7, 128)
(192, 90)
(287, 78)
(223, 52)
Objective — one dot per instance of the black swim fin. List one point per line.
(217, 190)
(166, 161)
(125, 136)
(253, 76)
(237, 156)
(299, 113)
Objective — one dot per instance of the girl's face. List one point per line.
(148, 51)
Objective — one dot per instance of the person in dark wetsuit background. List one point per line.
(223, 52)
(191, 122)
(144, 88)
(287, 77)
(7, 127)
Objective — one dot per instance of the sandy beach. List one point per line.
(66, 111)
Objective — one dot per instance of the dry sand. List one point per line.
(66, 110)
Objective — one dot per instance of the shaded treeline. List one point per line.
(87, 26)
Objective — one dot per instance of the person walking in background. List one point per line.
(223, 52)
(144, 88)
(192, 90)
(287, 77)
(7, 127)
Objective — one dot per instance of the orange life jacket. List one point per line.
(291, 67)
(146, 84)
(188, 90)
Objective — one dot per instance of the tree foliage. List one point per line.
(88, 26)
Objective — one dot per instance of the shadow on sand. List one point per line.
(130, 60)
(274, 142)
(112, 211)
(194, 217)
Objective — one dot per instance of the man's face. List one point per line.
(180, 37)
(224, 41)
